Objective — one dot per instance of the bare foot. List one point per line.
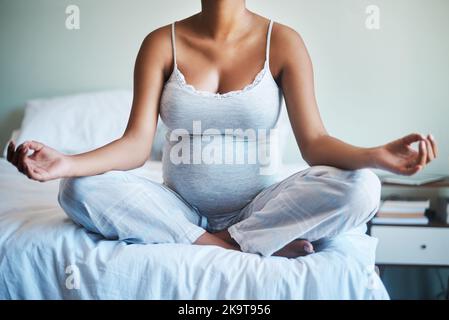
(296, 248)
(211, 239)
(225, 236)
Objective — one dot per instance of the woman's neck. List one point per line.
(221, 18)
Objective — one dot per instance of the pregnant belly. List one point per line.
(220, 186)
(216, 189)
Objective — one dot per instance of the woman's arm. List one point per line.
(133, 148)
(316, 145)
(128, 152)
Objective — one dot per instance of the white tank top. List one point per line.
(216, 145)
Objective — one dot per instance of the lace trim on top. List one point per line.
(183, 83)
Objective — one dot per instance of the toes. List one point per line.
(304, 247)
(308, 247)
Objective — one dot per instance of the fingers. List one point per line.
(10, 153)
(430, 153)
(16, 154)
(411, 170)
(13, 153)
(33, 145)
(411, 138)
(419, 163)
(34, 172)
(431, 148)
(18, 157)
(422, 155)
(428, 149)
(27, 167)
(414, 161)
(434, 145)
(38, 174)
(21, 156)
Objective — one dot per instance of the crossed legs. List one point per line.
(315, 203)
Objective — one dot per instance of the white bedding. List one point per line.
(43, 255)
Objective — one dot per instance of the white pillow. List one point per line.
(76, 123)
(83, 122)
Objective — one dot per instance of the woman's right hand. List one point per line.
(42, 165)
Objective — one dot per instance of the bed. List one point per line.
(44, 255)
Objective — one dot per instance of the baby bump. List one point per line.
(216, 189)
(219, 176)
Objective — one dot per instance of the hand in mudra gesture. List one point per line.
(401, 158)
(42, 165)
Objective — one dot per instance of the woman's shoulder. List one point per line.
(159, 37)
(157, 48)
(287, 45)
(286, 38)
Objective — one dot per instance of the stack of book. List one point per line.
(402, 212)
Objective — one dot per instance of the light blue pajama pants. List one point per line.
(316, 203)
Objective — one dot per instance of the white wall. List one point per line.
(372, 86)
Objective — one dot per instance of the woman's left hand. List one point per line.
(399, 157)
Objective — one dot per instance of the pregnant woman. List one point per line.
(217, 80)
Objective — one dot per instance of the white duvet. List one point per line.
(43, 255)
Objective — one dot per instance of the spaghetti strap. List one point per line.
(173, 41)
(267, 50)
